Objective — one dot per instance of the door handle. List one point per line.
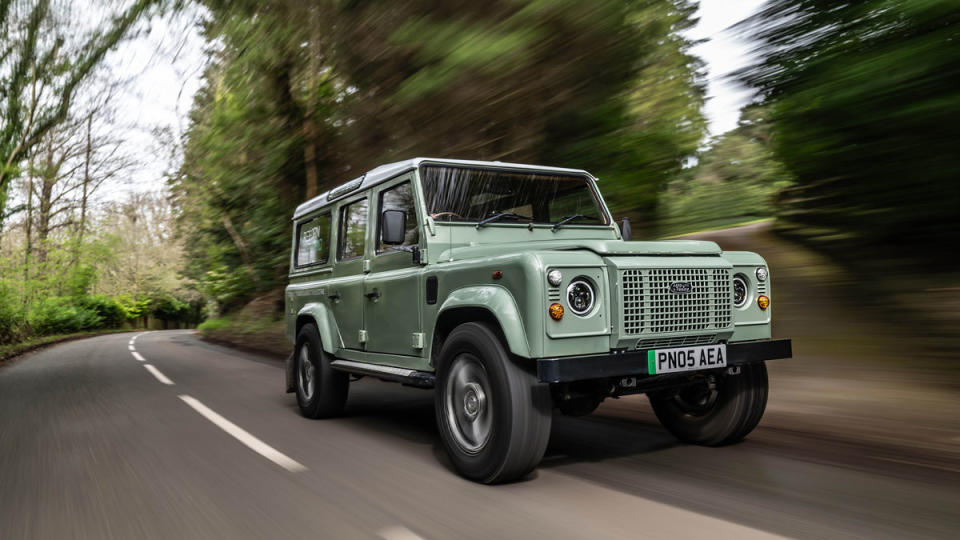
(374, 294)
(335, 297)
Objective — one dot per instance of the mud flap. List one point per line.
(288, 371)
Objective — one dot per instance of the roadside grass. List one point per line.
(258, 326)
(10, 351)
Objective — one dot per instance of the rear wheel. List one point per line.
(321, 390)
(721, 409)
(494, 417)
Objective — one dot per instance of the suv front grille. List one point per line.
(683, 341)
(650, 307)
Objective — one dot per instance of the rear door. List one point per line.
(392, 301)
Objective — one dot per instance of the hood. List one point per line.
(659, 247)
(600, 247)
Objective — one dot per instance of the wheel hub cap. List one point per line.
(467, 409)
(306, 378)
(473, 401)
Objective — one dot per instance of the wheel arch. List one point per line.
(319, 315)
(491, 305)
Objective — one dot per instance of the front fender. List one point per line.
(501, 304)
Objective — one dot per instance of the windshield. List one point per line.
(463, 194)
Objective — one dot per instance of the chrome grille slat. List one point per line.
(682, 341)
(648, 306)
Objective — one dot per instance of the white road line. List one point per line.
(399, 532)
(138, 356)
(156, 373)
(249, 440)
(131, 347)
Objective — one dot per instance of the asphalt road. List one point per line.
(861, 439)
(93, 444)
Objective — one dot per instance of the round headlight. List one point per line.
(580, 296)
(739, 291)
(554, 277)
(762, 273)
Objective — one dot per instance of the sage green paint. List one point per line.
(464, 259)
(501, 304)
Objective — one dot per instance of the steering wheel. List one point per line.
(446, 214)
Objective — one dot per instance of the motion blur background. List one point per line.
(843, 161)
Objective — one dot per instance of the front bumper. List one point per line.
(634, 363)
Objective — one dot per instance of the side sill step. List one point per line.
(410, 377)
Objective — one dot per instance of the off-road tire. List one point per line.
(330, 387)
(520, 408)
(738, 406)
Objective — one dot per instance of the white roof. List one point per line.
(390, 170)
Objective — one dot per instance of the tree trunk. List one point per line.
(45, 209)
(241, 247)
(309, 117)
(28, 226)
(81, 228)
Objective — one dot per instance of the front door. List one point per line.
(345, 290)
(392, 288)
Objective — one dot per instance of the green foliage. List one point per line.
(11, 315)
(80, 278)
(170, 308)
(110, 312)
(736, 179)
(60, 315)
(334, 89)
(867, 114)
(211, 325)
(133, 308)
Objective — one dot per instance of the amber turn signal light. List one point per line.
(763, 302)
(556, 312)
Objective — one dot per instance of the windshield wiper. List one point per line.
(501, 215)
(567, 219)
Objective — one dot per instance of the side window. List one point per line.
(313, 241)
(353, 230)
(399, 197)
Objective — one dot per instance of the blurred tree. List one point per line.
(736, 179)
(43, 60)
(867, 114)
(301, 97)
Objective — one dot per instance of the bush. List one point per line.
(111, 312)
(11, 316)
(58, 315)
(211, 325)
(169, 308)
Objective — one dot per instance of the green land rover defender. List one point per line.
(511, 290)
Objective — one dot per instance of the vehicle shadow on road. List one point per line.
(408, 414)
(601, 436)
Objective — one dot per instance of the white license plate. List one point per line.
(686, 359)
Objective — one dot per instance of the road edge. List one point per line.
(11, 357)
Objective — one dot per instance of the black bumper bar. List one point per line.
(634, 363)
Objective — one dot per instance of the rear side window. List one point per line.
(353, 230)
(313, 241)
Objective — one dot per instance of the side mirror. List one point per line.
(393, 226)
(625, 231)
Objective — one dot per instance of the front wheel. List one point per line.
(494, 417)
(719, 410)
